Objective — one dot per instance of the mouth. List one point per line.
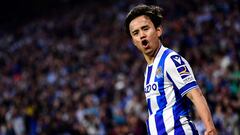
(145, 42)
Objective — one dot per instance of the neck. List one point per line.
(150, 58)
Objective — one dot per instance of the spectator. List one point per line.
(57, 70)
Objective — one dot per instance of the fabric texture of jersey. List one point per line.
(167, 80)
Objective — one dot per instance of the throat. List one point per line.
(150, 58)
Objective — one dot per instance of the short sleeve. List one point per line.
(180, 73)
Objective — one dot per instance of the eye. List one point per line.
(135, 33)
(145, 28)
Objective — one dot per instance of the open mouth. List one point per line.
(144, 42)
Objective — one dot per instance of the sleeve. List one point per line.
(180, 73)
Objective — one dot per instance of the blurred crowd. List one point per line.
(75, 71)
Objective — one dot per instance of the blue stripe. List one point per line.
(149, 74)
(194, 130)
(161, 66)
(185, 111)
(149, 106)
(160, 125)
(180, 106)
(178, 109)
(161, 100)
(179, 130)
(188, 87)
(148, 130)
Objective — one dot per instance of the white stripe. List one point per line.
(145, 76)
(152, 125)
(168, 116)
(181, 66)
(189, 89)
(186, 127)
(171, 132)
(154, 105)
(155, 65)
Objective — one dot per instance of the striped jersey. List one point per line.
(166, 82)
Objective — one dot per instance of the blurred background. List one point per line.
(68, 68)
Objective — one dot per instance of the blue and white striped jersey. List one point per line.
(167, 80)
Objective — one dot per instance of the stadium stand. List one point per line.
(75, 71)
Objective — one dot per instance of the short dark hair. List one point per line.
(152, 11)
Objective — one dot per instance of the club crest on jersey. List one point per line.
(159, 73)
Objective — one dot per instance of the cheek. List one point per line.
(154, 38)
(135, 42)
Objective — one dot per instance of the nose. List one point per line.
(142, 35)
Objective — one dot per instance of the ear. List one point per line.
(159, 31)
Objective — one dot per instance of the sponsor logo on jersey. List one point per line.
(180, 65)
(183, 71)
(177, 60)
(188, 79)
(151, 89)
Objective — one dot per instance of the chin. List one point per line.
(149, 53)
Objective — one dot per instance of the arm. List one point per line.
(200, 103)
(180, 73)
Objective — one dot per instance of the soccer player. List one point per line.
(169, 80)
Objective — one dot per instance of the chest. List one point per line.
(154, 80)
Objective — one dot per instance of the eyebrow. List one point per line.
(144, 26)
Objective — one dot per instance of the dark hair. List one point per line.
(153, 12)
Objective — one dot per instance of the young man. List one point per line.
(169, 80)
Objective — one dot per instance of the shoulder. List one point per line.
(174, 60)
(173, 57)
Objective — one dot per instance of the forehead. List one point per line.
(139, 22)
